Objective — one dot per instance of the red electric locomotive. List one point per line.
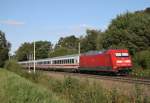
(118, 61)
(115, 60)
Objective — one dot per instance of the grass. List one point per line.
(15, 89)
(70, 90)
(138, 72)
(85, 91)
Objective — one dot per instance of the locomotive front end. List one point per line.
(122, 62)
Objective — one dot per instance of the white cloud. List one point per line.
(81, 27)
(87, 26)
(102, 28)
(12, 22)
(84, 27)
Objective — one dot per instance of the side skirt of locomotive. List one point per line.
(106, 70)
(98, 70)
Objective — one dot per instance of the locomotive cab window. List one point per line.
(118, 54)
(125, 54)
(121, 54)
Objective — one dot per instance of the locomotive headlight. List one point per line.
(128, 61)
(119, 61)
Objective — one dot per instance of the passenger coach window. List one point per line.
(73, 61)
(68, 61)
(49, 62)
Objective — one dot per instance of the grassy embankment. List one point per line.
(75, 91)
(15, 89)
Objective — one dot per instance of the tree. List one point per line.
(65, 46)
(26, 49)
(42, 49)
(92, 41)
(61, 51)
(4, 48)
(70, 42)
(130, 30)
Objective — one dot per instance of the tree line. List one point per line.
(4, 48)
(128, 31)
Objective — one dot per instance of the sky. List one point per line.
(29, 20)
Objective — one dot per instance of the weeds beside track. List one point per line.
(112, 78)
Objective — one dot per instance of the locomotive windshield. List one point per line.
(122, 54)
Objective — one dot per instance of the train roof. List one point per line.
(53, 58)
(94, 52)
(77, 55)
(65, 56)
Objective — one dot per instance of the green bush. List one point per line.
(13, 66)
(138, 72)
(141, 62)
(142, 59)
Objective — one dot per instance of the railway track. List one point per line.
(112, 78)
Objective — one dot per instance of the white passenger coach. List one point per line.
(70, 61)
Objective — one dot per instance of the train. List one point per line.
(109, 61)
